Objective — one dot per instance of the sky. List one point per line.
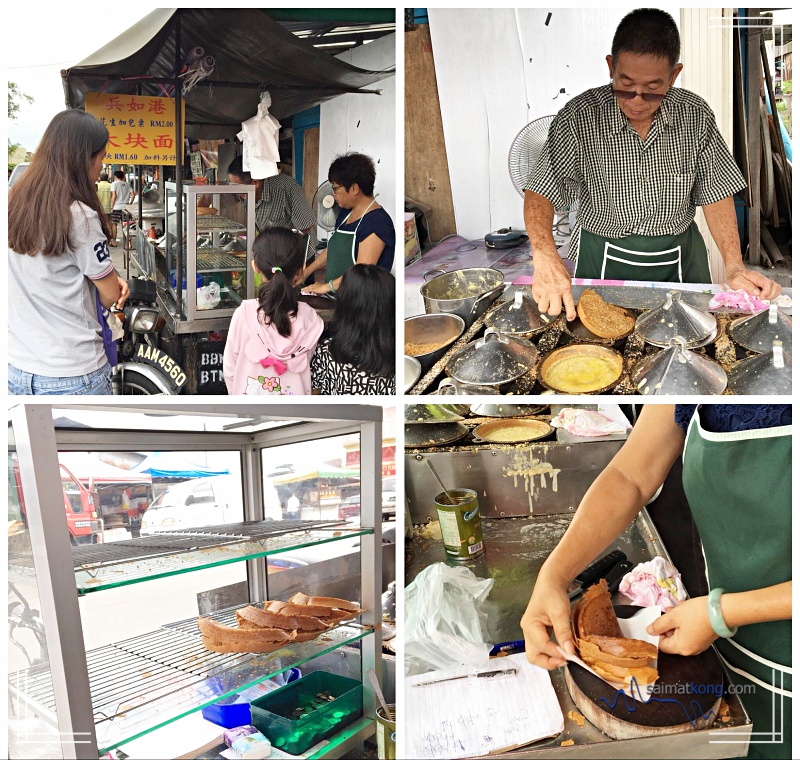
(64, 35)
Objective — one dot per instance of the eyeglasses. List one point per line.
(335, 187)
(648, 97)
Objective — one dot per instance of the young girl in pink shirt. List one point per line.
(272, 337)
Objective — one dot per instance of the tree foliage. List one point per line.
(15, 96)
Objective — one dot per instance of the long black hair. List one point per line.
(39, 214)
(278, 254)
(362, 329)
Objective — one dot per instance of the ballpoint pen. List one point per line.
(483, 674)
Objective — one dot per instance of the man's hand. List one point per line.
(685, 629)
(548, 608)
(754, 283)
(552, 286)
(124, 292)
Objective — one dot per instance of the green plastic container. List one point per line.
(274, 714)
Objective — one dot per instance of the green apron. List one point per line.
(663, 258)
(342, 249)
(739, 487)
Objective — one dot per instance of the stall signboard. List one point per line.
(141, 128)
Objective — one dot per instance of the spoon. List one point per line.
(450, 499)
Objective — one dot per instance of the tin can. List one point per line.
(460, 521)
(385, 732)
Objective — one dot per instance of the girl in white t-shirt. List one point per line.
(59, 266)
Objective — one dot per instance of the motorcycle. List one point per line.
(143, 368)
(21, 617)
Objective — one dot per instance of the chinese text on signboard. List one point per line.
(141, 128)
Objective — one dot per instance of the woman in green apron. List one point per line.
(364, 232)
(737, 480)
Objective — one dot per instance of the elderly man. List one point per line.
(638, 156)
(280, 202)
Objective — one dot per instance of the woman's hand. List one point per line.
(548, 609)
(124, 292)
(300, 277)
(319, 288)
(685, 629)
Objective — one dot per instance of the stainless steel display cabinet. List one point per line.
(214, 244)
(99, 699)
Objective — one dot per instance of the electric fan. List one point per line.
(522, 157)
(325, 206)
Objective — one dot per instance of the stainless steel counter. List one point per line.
(515, 551)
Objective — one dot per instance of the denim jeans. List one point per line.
(97, 383)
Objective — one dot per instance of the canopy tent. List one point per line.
(321, 471)
(165, 465)
(253, 53)
(85, 466)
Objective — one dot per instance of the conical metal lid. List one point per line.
(518, 316)
(673, 319)
(506, 410)
(451, 387)
(493, 359)
(431, 414)
(765, 374)
(676, 370)
(757, 333)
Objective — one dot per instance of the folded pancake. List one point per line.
(325, 614)
(594, 613)
(601, 644)
(248, 616)
(222, 638)
(325, 601)
(601, 318)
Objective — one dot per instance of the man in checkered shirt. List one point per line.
(638, 156)
(280, 202)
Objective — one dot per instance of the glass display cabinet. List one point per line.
(217, 230)
(112, 650)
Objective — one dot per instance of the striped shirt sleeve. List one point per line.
(555, 176)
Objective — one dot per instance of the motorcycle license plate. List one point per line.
(168, 366)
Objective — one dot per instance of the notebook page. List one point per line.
(476, 716)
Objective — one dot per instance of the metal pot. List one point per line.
(519, 317)
(582, 368)
(757, 333)
(465, 292)
(412, 370)
(492, 360)
(425, 330)
(676, 371)
(763, 374)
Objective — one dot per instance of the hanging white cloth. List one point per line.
(259, 138)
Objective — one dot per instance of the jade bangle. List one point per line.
(330, 285)
(715, 615)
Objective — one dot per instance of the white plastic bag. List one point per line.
(208, 297)
(444, 624)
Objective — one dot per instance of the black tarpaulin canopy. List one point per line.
(252, 51)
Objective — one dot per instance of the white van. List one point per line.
(200, 502)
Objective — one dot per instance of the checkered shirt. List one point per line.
(628, 186)
(283, 204)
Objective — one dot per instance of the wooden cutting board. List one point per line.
(621, 717)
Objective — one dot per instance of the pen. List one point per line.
(482, 674)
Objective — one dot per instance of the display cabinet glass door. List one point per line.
(217, 230)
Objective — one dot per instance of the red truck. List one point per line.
(80, 505)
